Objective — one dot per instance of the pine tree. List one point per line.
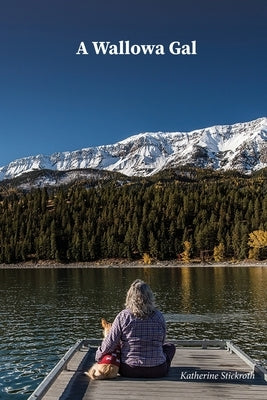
(142, 240)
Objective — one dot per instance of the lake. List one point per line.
(45, 311)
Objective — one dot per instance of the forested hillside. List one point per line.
(176, 215)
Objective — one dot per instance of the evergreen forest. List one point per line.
(181, 214)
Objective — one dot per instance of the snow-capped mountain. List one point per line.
(241, 146)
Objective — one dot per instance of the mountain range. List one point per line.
(241, 146)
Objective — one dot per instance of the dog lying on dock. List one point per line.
(108, 366)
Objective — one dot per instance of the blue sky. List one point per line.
(53, 100)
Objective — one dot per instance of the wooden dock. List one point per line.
(200, 370)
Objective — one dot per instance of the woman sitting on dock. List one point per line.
(139, 330)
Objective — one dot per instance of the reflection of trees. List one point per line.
(258, 284)
(186, 289)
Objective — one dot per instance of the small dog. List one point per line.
(108, 366)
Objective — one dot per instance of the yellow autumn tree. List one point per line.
(218, 252)
(147, 259)
(186, 253)
(257, 243)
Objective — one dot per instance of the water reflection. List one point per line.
(43, 312)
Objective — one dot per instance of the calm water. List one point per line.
(44, 312)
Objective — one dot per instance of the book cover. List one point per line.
(133, 135)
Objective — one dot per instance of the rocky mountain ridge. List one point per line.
(241, 147)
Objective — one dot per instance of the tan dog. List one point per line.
(108, 366)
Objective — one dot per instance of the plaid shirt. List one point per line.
(140, 340)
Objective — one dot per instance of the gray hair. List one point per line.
(140, 299)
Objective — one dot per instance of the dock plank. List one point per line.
(72, 384)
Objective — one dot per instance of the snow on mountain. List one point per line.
(241, 146)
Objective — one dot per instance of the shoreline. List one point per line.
(113, 263)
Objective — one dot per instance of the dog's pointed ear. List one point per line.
(104, 322)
